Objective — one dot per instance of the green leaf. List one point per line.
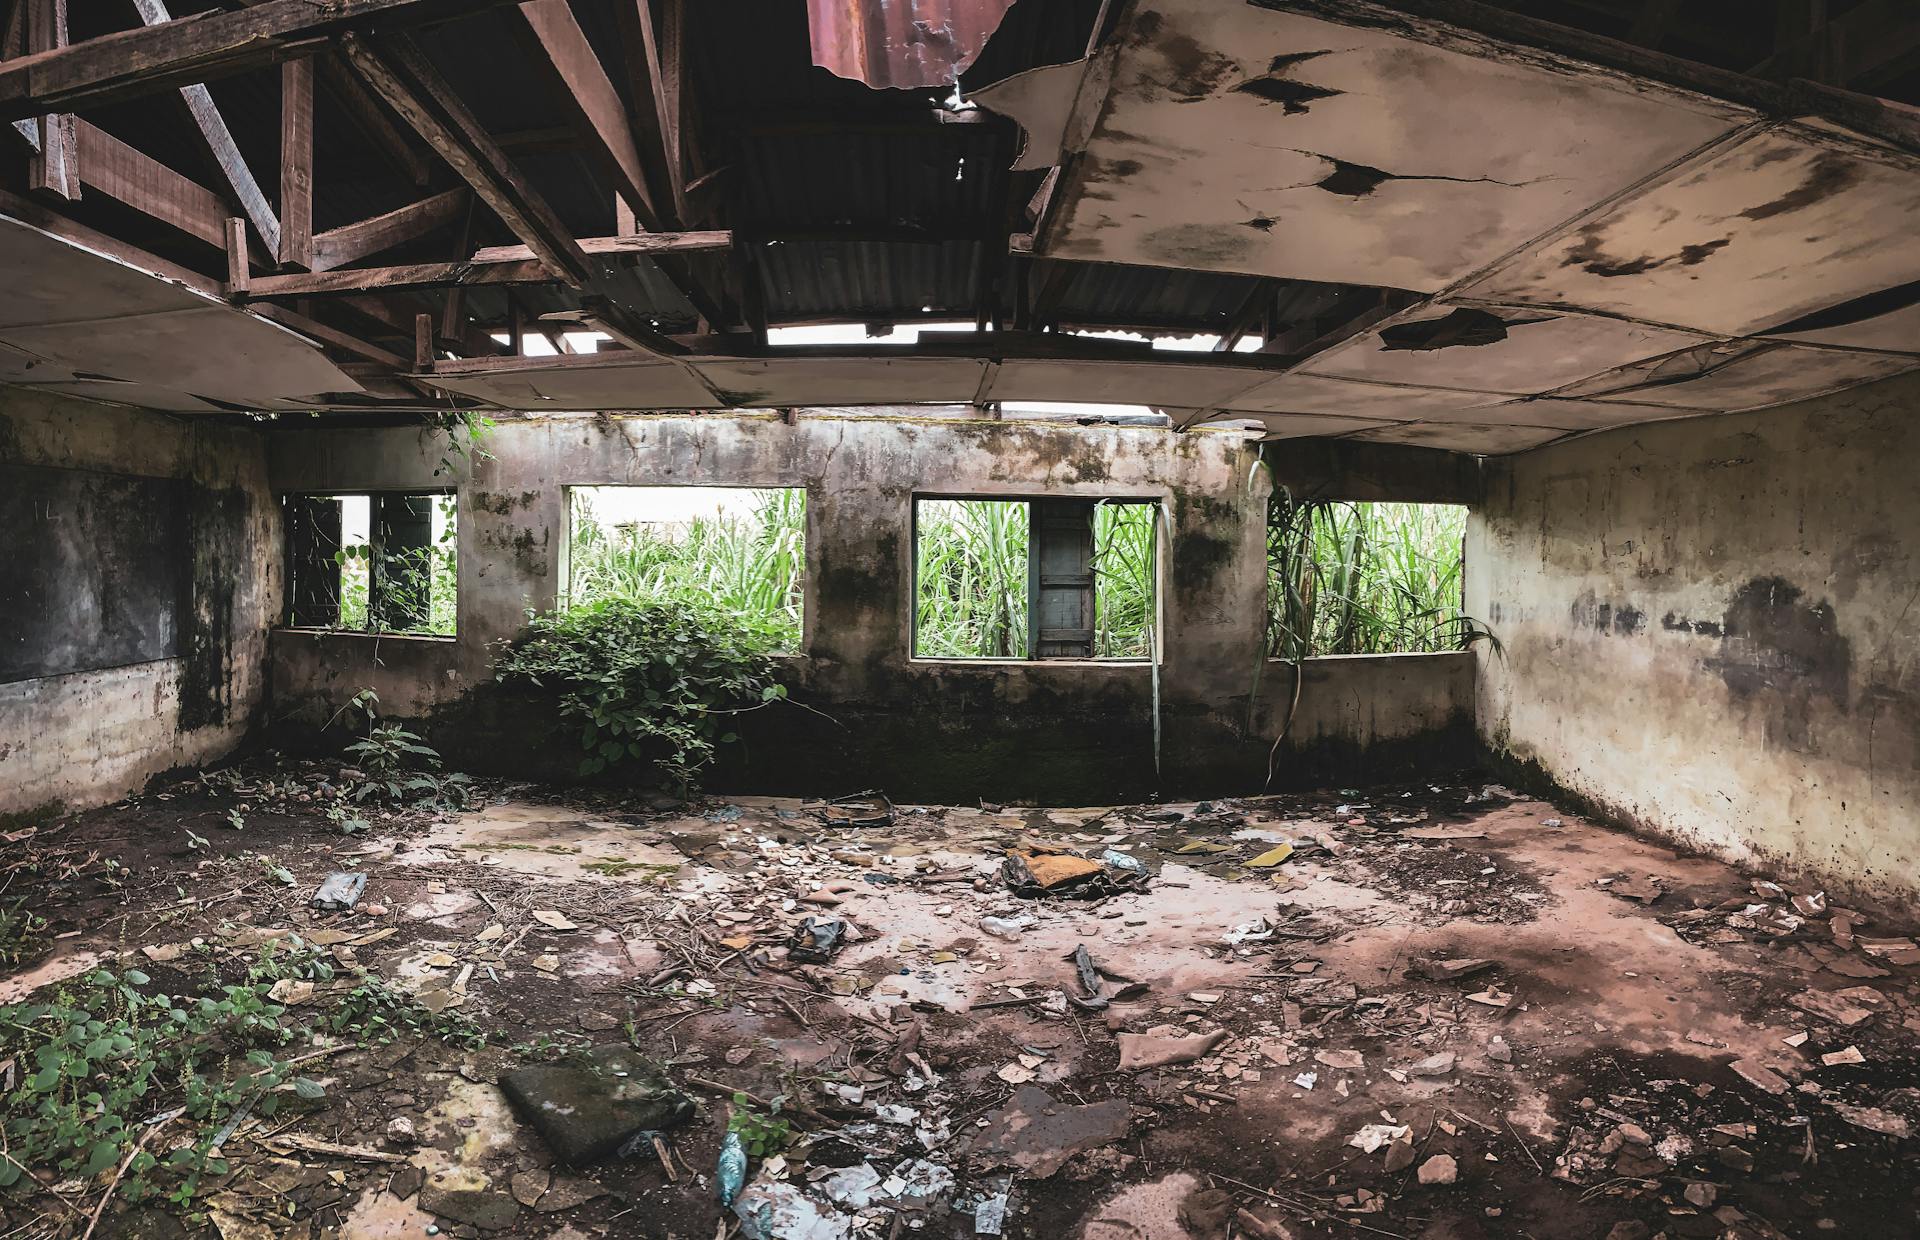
(309, 1088)
(137, 977)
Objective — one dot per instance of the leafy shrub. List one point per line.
(398, 766)
(646, 680)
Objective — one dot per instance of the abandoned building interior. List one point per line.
(1050, 619)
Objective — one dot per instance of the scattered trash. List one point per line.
(1113, 858)
(1089, 977)
(1270, 858)
(1163, 1046)
(1008, 927)
(1374, 1136)
(990, 1216)
(340, 890)
(816, 940)
(730, 1173)
(862, 809)
(1044, 870)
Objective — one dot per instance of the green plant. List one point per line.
(105, 1056)
(467, 435)
(236, 820)
(749, 566)
(1123, 575)
(763, 1133)
(970, 579)
(1365, 578)
(651, 680)
(375, 1011)
(20, 926)
(399, 767)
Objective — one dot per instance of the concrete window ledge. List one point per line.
(436, 639)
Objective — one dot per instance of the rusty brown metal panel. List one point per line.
(901, 44)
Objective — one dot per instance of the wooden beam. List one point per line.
(239, 271)
(339, 246)
(400, 74)
(148, 186)
(647, 244)
(220, 144)
(505, 264)
(331, 335)
(130, 64)
(1866, 46)
(371, 119)
(52, 168)
(592, 103)
(296, 164)
(626, 327)
(655, 126)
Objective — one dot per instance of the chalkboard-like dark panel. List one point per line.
(93, 570)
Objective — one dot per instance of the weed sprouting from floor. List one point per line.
(646, 681)
(20, 931)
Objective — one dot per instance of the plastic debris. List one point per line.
(1036, 869)
(1270, 858)
(990, 1216)
(1374, 1136)
(1007, 927)
(862, 809)
(731, 1172)
(1122, 861)
(341, 890)
(816, 940)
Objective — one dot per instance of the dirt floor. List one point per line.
(1446, 1012)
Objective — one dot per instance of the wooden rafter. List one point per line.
(400, 74)
(220, 144)
(597, 113)
(53, 166)
(125, 175)
(296, 164)
(656, 127)
(339, 246)
(131, 64)
(495, 265)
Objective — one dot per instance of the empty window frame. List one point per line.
(1034, 579)
(741, 549)
(1365, 578)
(383, 562)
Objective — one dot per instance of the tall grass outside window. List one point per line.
(1365, 578)
(739, 549)
(971, 584)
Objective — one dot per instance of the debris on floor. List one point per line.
(590, 1015)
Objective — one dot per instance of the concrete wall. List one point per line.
(100, 731)
(920, 728)
(1712, 631)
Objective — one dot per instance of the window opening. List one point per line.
(742, 549)
(383, 562)
(1365, 578)
(1042, 578)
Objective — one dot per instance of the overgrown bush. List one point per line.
(646, 680)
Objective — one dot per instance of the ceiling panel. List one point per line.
(1484, 440)
(1487, 349)
(1298, 393)
(1730, 378)
(1238, 138)
(1783, 223)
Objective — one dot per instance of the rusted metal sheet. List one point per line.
(901, 44)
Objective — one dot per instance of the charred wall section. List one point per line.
(1066, 732)
(1712, 631)
(135, 590)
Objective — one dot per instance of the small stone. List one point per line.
(1701, 1194)
(1399, 1155)
(400, 1131)
(1632, 1229)
(1635, 1133)
(1440, 1169)
(1759, 1077)
(1499, 1051)
(528, 1185)
(588, 1112)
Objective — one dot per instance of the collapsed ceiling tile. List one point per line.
(1303, 393)
(1887, 320)
(1133, 383)
(1779, 225)
(1042, 100)
(1494, 350)
(1738, 376)
(596, 382)
(775, 381)
(1481, 439)
(1237, 138)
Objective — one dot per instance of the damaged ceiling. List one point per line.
(1430, 221)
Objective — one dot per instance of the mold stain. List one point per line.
(1620, 619)
(1591, 255)
(1193, 72)
(1777, 655)
(1829, 174)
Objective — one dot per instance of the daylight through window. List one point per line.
(381, 563)
(742, 549)
(1043, 578)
